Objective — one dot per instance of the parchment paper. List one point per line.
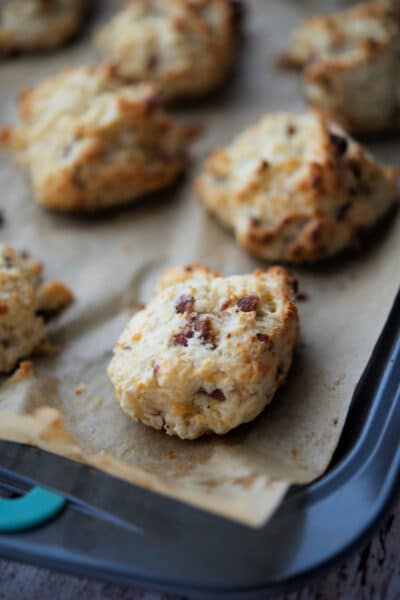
(111, 262)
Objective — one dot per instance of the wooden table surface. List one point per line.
(373, 573)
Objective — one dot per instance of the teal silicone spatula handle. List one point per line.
(33, 509)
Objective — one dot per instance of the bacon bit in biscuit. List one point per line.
(291, 130)
(217, 394)
(263, 337)
(200, 324)
(203, 326)
(184, 304)
(136, 337)
(339, 144)
(181, 339)
(171, 454)
(3, 309)
(248, 303)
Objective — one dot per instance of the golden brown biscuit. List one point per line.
(186, 47)
(296, 188)
(350, 63)
(176, 275)
(22, 297)
(207, 353)
(31, 25)
(89, 142)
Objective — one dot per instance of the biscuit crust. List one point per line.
(185, 47)
(89, 142)
(350, 65)
(22, 298)
(207, 353)
(296, 188)
(33, 25)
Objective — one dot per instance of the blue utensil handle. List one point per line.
(33, 509)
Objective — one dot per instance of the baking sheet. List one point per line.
(111, 262)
